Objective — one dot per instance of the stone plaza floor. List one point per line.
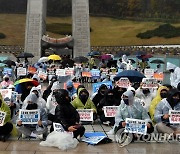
(15, 146)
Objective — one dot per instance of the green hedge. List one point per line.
(165, 30)
(2, 36)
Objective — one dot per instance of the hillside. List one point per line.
(105, 31)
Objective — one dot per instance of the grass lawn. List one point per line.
(105, 31)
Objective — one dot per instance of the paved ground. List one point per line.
(14, 146)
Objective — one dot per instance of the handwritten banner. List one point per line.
(29, 116)
(2, 117)
(85, 114)
(136, 126)
(174, 117)
(21, 71)
(149, 83)
(123, 83)
(110, 111)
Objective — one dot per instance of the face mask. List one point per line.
(31, 106)
(126, 101)
(171, 70)
(110, 97)
(145, 91)
(163, 95)
(6, 79)
(83, 98)
(102, 92)
(175, 101)
(69, 88)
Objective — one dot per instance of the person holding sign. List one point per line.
(129, 108)
(33, 130)
(82, 101)
(172, 102)
(5, 116)
(66, 114)
(108, 100)
(161, 94)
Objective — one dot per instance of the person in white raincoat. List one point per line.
(175, 74)
(129, 108)
(40, 101)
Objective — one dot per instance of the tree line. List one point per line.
(163, 9)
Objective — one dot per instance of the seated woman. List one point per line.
(66, 114)
(82, 101)
(129, 108)
(161, 116)
(108, 100)
(34, 130)
(161, 94)
(7, 126)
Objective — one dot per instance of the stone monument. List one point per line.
(36, 27)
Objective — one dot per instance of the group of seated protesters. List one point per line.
(59, 105)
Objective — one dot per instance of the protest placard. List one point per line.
(159, 76)
(174, 117)
(95, 73)
(31, 70)
(7, 71)
(110, 111)
(58, 127)
(51, 71)
(149, 73)
(42, 75)
(75, 84)
(69, 71)
(85, 114)
(60, 72)
(29, 116)
(6, 94)
(97, 85)
(21, 71)
(123, 83)
(2, 117)
(136, 126)
(86, 74)
(149, 83)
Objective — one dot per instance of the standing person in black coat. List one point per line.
(66, 114)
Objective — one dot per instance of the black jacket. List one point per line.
(66, 115)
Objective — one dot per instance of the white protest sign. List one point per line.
(2, 117)
(174, 117)
(136, 126)
(60, 72)
(149, 73)
(29, 116)
(110, 111)
(6, 94)
(69, 71)
(58, 127)
(149, 83)
(85, 114)
(21, 71)
(123, 83)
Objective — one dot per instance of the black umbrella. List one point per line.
(80, 59)
(9, 62)
(121, 53)
(70, 62)
(157, 61)
(25, 55)
(132, 75)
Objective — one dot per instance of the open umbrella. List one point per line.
(25, 55)
(54, 57)
(132, 61)
(94, 53)
(43, 59)
(157, 61)
(34, 82)
(132, 75)
(80, 59)
(106, 57)
(9, 62)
